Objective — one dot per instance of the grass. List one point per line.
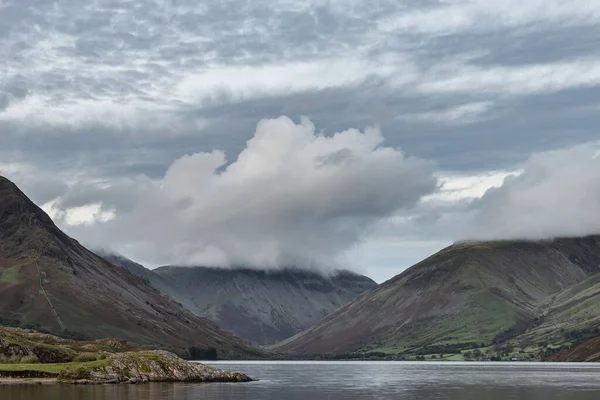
(53, 368)
(87, 357)
(484, 316)
(480, 317)
(11, 275)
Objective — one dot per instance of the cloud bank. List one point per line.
(293, 197)
(556, 195)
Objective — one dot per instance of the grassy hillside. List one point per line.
(470, 295)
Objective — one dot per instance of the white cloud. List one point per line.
(85, 215)
(460, 114)
(455, 187)
(516, 80)
(42, 112)
(240, 82)
(292, 197)
(557, 194)
(482, 15)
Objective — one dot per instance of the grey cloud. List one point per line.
(277, 204)
(558, 194)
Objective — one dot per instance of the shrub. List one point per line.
(68, 374)
(199, 353)
(30, 360)
(86, 357)
(15, 359)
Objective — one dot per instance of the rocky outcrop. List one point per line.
(22, 343)
(150, 366)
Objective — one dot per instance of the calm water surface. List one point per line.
(356, 380)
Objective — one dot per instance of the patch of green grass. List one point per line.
(485, 315)
(482, 317)
(11, 275)
(454, 357)
(86, 357)
(54, 368)
(149, 356)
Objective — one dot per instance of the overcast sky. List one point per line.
(323, 134)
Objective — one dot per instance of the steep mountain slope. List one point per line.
(262, 307)
(50, 282)
(469, 292)
(572, 317)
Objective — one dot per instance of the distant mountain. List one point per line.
(50, 282)
(470, 295)
(263, 307)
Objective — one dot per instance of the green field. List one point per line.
(53, 368)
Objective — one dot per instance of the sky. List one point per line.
(321, 134)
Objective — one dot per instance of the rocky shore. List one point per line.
(131, 367)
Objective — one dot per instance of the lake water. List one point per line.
(355, 380)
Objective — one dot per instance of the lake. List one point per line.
(355, 380)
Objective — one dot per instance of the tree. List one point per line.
(201, 353)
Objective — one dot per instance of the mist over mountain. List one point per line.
(261, 306)
(557, 194)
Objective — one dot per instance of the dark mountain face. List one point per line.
(50, 282)
(470, 292)
(262, 307)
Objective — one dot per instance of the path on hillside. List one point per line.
(60, 323)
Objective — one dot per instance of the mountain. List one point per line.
(50, 282)
(263, 307)
(468, 295)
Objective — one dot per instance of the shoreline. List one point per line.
(27, 381)
(86, 382)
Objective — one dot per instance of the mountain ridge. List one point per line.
(261, 306)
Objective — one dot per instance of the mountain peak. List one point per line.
(25, 229)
